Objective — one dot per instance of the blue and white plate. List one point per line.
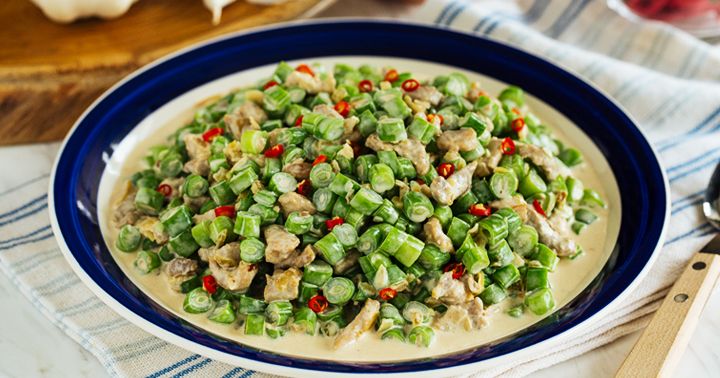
(142, 106)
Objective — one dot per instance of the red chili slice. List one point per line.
(538, 207)
(517, 124)
(270, 84)
(446, 169)
(319, 160)
(212, 133)
(209, 284)
(431, 118)
(410, 85)
(392, 76)
(479, 210)
(456, 268)
(305, 187)
(228, 211)
(165, 189)
(387, 293)
(334, 221)
(306, 69)
(318, 303)
(507, 146)
(343, 108)
(274, 151)
(298, 121)
(365, 86)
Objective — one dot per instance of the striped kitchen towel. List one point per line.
(667, 80)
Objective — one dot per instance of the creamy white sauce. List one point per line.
(568, 280)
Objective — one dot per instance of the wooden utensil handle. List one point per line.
(664, 340)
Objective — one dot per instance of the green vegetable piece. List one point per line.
(128, 239)
(540, 301)
(506, 276)
(195, 186)
(503, 183)
(147, 261)
(197, 301)
(523, 240)
(421, 336)
(252, 250)
(381, 178)
(201, 233)
(223, 312)
(221, 230)
(278, 312)
(247, 225)
(255, 324)
(149, 201)
(177, 220)
(536, 278)
(338, 290)
(184, 244)
(417, 207)
(493, 294)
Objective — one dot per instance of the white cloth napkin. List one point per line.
(666, 79)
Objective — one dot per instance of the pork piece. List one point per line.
(561, 219)
(280, 243)
(351, 133)
(125, 211)
(247, 115)
(434, 235)
(208, 215)
(450, 291)
(552, 166)
(475, 92)
(472, 285)
(427, 93)
(327, 110)
(227, 256)
(151, 228)
(198, 151)
(347, 262)
(282, 285)
(298, 259)
(556, 240)
(298, 168)
(238, 278)
(467, 316)
(412, 149)
(464, 139)
(516, 202)
(491, 159)
(476, 312)
(292, 201)
(446, 191)
(363, 322)
(180, 270)
(310, 83)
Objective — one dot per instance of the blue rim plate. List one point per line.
(74, 185)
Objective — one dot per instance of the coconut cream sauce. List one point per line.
(568, 280)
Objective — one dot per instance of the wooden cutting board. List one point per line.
(49, 72)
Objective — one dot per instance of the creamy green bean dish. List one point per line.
(337, 201)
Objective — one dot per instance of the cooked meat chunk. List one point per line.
(310, 83)
(151, 228)
(349, 261)
(125, 211)
(561, 219)
(292, 201)
(280, 243)
(247, 115)
(455, 317)
(475, 91)
(282, 285)
(427, 93)
(516, 202)
(464, 139)
(409, 148)
(493, 154)
(450, 291)
(552, 166)
(350, 133)
(180, 270)
(238, 278)
(363, 322)
(327, 110)
(473, 285)
(208, 215)
(298, 168)
(227, 256)
(476, 312)
(298, 259)
(446, 191)
(198, 151)
(561, 243)
(434, 235)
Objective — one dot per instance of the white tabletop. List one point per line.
(31, 346)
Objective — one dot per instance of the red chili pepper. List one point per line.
(507, 146)
(209, 284)
(334, 221)
(517, 124)
(420, 181)
(212, 133)
(456, 268)
(343, 108)
(269, 84)
(410, 85)
(387, 293)
(298, 121)
(365, 86)
(479, 210)
(446, 169)
(252, 267)
(165, 189)
(431, 118)
(228, 211)
(305, 187)
(392, 76)
(319, 160)
(274, 151)
(306, 69)
(318, 303)
(538, 207)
